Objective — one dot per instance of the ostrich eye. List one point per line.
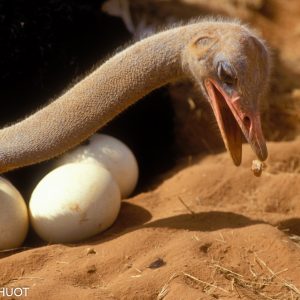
(226, 73)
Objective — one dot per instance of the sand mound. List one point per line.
(207, 230)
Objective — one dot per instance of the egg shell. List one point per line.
(74, 202)
(14, 219)
(114, 155)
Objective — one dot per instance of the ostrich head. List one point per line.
(231, 65)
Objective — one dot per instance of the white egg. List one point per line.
(74, 202)
(114, 155)
(13, 216)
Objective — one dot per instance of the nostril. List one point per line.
(247, 122)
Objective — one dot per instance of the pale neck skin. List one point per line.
(97, 99)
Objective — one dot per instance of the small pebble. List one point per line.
(257, 167)
(204, 248)
(90, 251)
(157, 263)
(91, 269)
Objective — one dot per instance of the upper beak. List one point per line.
(235, 120)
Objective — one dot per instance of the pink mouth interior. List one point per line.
(229, 127)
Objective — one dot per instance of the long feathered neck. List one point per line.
(94, 101)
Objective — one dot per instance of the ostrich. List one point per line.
(224, 58)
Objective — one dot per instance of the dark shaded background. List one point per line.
(45, 47)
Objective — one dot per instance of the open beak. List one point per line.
(234, 121)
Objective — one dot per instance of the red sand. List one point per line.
(219, 231)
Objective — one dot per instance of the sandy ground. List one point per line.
(203, 232)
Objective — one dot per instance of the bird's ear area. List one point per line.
(262, 50)
(200, 46)
(260, 46)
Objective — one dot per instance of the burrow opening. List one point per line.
(44, 48)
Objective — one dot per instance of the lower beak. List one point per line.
(251, 127)
(234, 121)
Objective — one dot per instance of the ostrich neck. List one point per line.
(94, 101)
